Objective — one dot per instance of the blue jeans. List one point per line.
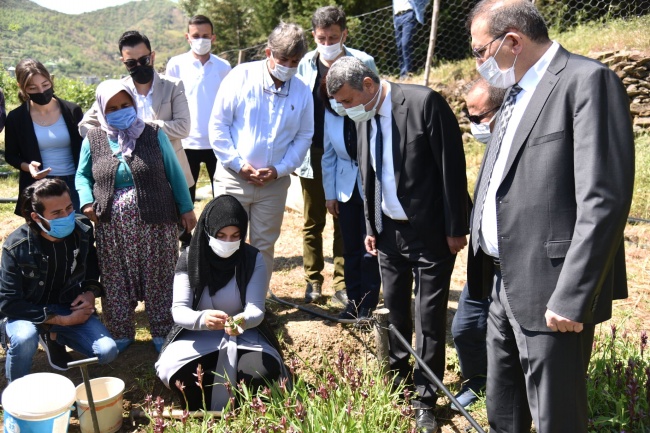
(90, 339)
(361, 269)
(404, 30)
(469, 329)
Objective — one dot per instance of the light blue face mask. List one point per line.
(359, 114)
(59, 227)
(122, 119)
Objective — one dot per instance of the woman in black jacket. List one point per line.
(41, 136)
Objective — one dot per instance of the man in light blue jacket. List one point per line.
(330, 32)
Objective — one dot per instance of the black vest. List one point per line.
(155, 198)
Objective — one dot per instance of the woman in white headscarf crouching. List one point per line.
(220, 281)
(132, 187)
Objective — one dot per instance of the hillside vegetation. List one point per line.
(86, 44)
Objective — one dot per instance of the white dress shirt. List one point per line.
(528, 83)
(401, 6)
(143, 103)
(390, 205)
(253, 122)
(201, 83)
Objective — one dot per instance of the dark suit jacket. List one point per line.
(563, 201)
(21, 144)
(429, 165)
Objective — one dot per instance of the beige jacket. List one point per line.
(172, 115)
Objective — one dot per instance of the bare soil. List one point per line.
(314, 339)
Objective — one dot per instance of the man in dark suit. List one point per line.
(550, 207)
(413, 173)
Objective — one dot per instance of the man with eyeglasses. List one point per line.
(201, 72)
(260, 129)
(550, 209)
(469, 325)
(160, 99)
(330, 32)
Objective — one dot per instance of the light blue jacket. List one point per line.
(340, 172)
(308, 71)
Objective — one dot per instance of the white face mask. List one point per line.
(481, 132)
(282, 73)
(222, 248)
(359, 114)
(329, 52)
(201, 46)
(495, 76)
(338, 108)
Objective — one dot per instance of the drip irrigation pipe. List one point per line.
(435, 379)
(406, 345)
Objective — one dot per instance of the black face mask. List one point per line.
(42, 98)
(142, 74)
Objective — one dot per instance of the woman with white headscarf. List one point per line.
(131, 185)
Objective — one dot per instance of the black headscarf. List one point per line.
(205, 268)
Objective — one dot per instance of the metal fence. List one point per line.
(373, 32)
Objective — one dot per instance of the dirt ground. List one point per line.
(314, 339)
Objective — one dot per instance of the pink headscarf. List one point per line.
(125, 138)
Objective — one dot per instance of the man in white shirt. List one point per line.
(201, 72)
(261, 127)
(160, 99)
(550, 208)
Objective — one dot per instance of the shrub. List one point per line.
(343, 398)
(618, 383)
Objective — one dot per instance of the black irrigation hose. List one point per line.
(435, 379)
(312, 312)
(406, 345)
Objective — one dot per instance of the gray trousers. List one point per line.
(534, 376)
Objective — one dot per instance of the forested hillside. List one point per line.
(86, 44)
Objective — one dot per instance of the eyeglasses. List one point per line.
(477, 118)
(132, 63)
(478, 52)
(278, 93)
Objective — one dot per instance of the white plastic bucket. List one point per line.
(107, 396)
(38, 403)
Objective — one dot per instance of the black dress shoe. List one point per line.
(425, 422)
(349, 313)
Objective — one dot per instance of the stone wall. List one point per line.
(633, 68)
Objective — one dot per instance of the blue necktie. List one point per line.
(490, 160)
(379, 154)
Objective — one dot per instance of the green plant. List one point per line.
(618, 383)
(343, 396)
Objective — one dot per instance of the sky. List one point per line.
(80, 6)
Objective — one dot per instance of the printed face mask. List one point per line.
(201, 46)
(122, 119)
(60, 227)
(222, 248)
(495, 76)
(359, 114)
